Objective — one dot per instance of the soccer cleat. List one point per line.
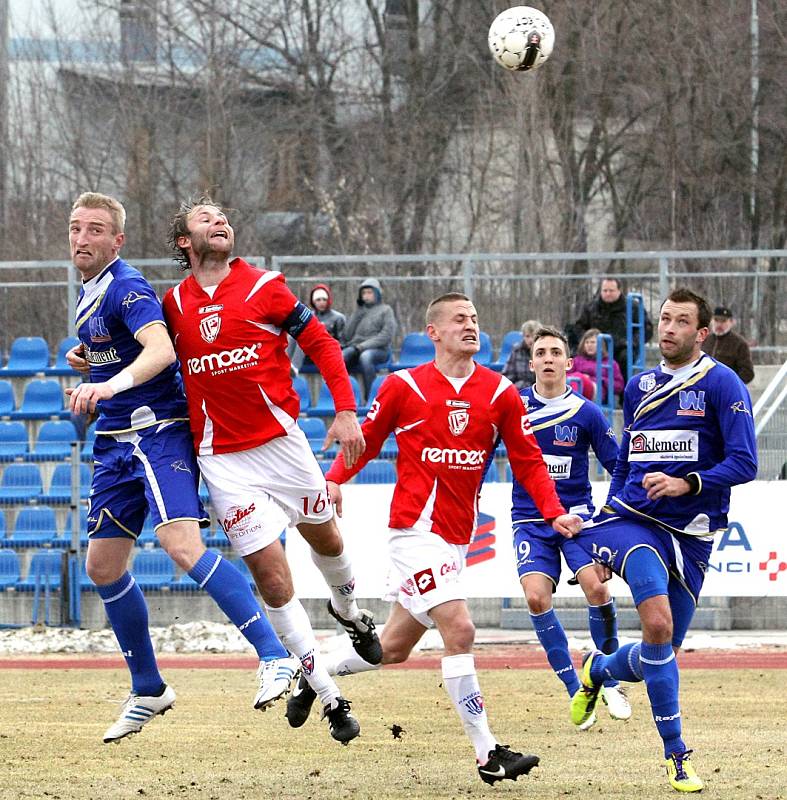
(681, 773)
(299, 703)
(342, 724)
(505, 764)
(588, 723)
(274, 677)
(362, 635)
(137, 711)
(583, 703)
(617, 703)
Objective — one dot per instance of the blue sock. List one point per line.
(553, 639)
(660, 671)
(603, 624)
(225, 584)
(128, 616)
(622, 665)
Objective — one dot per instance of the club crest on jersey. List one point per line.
(692, 404)
(457, 421)
(133, 297)
(209, 328)
(98, 330)
(647, 382)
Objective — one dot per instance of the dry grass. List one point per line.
(213, 746)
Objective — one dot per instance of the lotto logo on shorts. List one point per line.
(424, 580)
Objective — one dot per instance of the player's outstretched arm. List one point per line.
(346, 430)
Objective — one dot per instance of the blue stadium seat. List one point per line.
(20, 483)
(492, 474)
(301, 385)
(13, 441)
(43, 399)
(29, 355)
(324, 406)
(509, 340)
(484, 355)
(417, 348)
(85, 584)
(54, 441)
(377, 471)
(60, 485)
(64, 541)
(152, 569)
(315, 431)
(45, 569)
(373, 389)
(60, 367)
(7, 399)
(147, 536)
(35, 526)
(9, 569)
(87, 445)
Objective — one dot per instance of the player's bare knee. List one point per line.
(460, 637)
(657, 627)
(395, 653)
(102, 574)
(537, 601)
(597, 594)
(183, 552)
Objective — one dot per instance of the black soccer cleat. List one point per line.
(342, 724)
(506, 764)
(299, 703)
(361, 631)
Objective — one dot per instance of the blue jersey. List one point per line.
(565, 427)
(114, 306)
(695, 420)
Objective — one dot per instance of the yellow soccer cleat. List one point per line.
(583, 703)
(682, 776)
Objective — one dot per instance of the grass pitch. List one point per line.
(214, 746)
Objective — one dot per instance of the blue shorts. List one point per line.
(538, 547)
(611, 539)
(150, 470)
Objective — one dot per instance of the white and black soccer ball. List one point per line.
(521, 38)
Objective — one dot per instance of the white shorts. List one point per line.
(257, 493)
(426, 571)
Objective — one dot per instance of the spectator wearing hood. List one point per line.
(369, 333)
(321, 301)
(607, 312)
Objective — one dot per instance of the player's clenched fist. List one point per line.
(568, 525)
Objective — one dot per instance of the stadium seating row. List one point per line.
(29, 355)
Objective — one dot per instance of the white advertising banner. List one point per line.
(748, 559)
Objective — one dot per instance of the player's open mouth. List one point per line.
(219, 234)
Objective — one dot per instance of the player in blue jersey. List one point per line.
(144, 463)
(688, 437)
(566, 426)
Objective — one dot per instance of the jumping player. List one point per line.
(446, 415)
(566, 426)
(688, 437)
(229, 322)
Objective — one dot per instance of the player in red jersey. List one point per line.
(446, 416)
(229, 322)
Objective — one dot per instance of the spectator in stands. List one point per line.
(727, 346)
(321, 300)
(585, 362)
(369, 333)
(607, 312)
(517, 366)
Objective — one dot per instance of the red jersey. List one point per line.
(232, 350)
(444, 439)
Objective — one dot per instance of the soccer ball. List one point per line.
(521, 38)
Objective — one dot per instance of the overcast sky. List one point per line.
(33, 17)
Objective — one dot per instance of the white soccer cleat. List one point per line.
(588, 723)
(617, 703)
(137, 711)
(275, 678)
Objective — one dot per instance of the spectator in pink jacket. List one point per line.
(585, 361)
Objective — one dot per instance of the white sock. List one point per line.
(461, 683)
(338, 574)
(292, 626)
(345, 661)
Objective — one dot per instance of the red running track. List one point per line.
(486, 657)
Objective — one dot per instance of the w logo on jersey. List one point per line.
(566, 435)
(474, 703)
(457, 421)
(98, 330)
(209, 328)
(692, 404)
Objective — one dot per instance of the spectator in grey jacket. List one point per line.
(369, 333)
(321, 301)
